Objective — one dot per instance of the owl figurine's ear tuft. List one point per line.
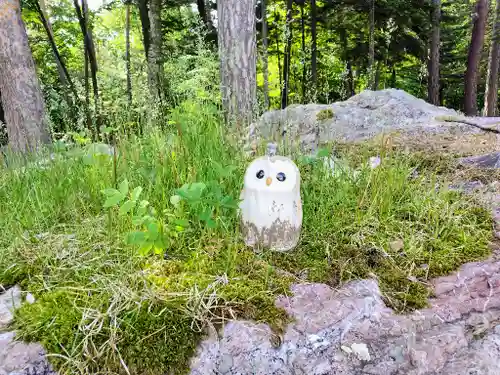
(272, 148)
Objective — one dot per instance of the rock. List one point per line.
(351, 331)
(9, 301)
(17, 358)
(360, 117)
(491, 160)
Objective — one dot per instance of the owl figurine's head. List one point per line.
(273, 174)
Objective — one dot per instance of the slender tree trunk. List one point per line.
(349, 84)
(433, 74)
(474, 58)
(376, 82)
(238, 60)
(491, 95)
(278, 52)
(371, 52)
(92, 57)
(155, 63)
(64, 76)
(288, 54)
(393, 77)
(87, 89)
(82, 14)
(127, 53)
(314, 52)
(304, 70)
(206, 18)
(145, 24)
(265, 60)
(22, 98)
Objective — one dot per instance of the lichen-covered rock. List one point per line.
(360, 117)
(351, 331)
(9, 301)
(17, 358)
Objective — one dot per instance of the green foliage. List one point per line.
(101, 303)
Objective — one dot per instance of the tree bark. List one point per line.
(127, 53)
(206, 18)
(22, 98)
(155, 62)
(491, 95)
(238, 55)
(433, 74)
(82, 14)
(64, 76)
(314, 53)
(304, 70)
(474, 57)
(145, 24)
(349, 84)
(278, 52)
(371, 52)
(288, 54)
(265, 60)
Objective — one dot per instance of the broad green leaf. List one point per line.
(153, 230)
(192, 192)
(136, 238)
(136, 193)
(113, 200)
(175, 199)
(145, 249)
(206, 214)
(229, 202)
(141, 210)
(110, 191)
(182, 222)
(211, 223)
(123, 187)
(127, 207)
(138, 220)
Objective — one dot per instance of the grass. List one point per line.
(101, 307)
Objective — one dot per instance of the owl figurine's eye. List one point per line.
(260, 174)
(281, 176)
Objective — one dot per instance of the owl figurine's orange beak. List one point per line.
(269, 181)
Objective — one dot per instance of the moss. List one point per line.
(152, 339)
(324, 114)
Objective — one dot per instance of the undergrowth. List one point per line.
(102, 307)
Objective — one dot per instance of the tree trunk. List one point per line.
(82, 14)
(433, 80)
(145, 24)
(278, 52)
(206, 18)
(127, 53)
(371, 52)
(64, 76)
(491, 95)
(349, 84)
(237, 51)
(304, 70)
(314, 53)
(393, 78)
(22, 98)
(265, 60)
(474, 57)
(155, 63)
(288, 54)
(376, 82)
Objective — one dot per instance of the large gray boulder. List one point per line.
(361, 117)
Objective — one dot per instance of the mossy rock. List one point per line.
(325, 114)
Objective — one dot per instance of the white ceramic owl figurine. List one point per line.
(271, 207)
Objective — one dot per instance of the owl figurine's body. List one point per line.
(271, 207)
